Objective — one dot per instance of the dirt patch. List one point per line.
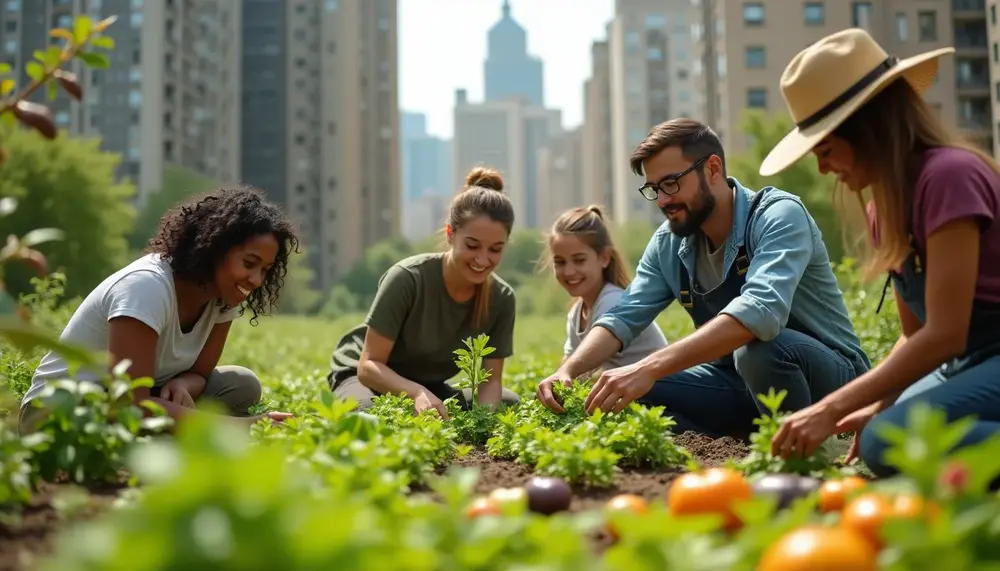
(30, 534)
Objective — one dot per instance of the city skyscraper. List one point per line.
(509, 70)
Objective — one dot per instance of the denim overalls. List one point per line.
(966, 385)
(718, 398)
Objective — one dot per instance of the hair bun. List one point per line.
(596, 209)
(484, 177)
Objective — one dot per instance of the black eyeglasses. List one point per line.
(669, 184)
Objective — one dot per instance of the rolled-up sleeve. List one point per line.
(782, 246)
(646, 296)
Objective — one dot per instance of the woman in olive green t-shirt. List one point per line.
(428, 304)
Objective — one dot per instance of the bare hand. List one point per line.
(177, 392)
(856, 422)
(545, 393)
(802, 433)
(275, 417)
(617, 388)
(426, 401)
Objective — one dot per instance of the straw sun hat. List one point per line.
(829, 80)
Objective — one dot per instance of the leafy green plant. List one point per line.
(761, 461)
(475, 424)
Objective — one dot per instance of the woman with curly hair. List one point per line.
(170, 311)
(427, 304)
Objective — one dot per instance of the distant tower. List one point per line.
(509, 70)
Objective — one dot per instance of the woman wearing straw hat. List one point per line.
(934, 227)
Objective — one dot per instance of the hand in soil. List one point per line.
(426, 401)
(545, 394)
(803, 432)
(617, 388)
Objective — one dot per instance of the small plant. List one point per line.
(474, 425)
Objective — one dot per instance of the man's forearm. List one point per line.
(719, 337)
(597, 347)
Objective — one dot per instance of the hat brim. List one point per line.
(919, 70)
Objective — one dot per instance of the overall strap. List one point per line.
(742, 261)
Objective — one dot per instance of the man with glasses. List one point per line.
(752, 271)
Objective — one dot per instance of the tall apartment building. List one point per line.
(651, 54)
(749, 43)
(320, 121)
(560, 173)
(596, 146)
(170, 94)
(507, 136)
(993, 36)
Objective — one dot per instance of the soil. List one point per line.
(33, 533)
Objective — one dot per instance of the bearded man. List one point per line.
(752, 271)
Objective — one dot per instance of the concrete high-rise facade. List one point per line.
(170, 95)
(651, 54)
(321, 121)
(596, 148)
(509, 70)
(560, 174)
(745, 46)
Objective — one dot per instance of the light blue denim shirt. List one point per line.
(789, 274)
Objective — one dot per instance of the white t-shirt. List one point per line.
(143, 290)
(649, 341)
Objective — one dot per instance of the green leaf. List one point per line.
(53, 57)
(4, 67)
(40, 235)
(8, 119)
(94, 59)
(103, 42)
(82, 27)
(34, 70)
(6, 86)
(27, 338)
(52, 90)
(61, 33)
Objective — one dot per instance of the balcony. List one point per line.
(968, 9)
(971, 39)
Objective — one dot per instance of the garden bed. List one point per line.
(34, 533)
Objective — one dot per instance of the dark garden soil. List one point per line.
(33, 533)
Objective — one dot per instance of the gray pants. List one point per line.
(351, 387)
(234, 388)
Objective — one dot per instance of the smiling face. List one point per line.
(244, 268)
(691, 201)
(578, 268)
(477, 247)
(835, 155)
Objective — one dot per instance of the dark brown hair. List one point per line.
(482, 196)
(696, 141)
(888, 136)
(589, 225)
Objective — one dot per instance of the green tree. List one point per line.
(298, 295)
(69, 184)
(179, 184)
(802, 178)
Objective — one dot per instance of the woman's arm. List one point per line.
(374, 373)
(129, 338)
(952, 269)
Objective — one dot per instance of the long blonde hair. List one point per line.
(588, 224)
(889, 135)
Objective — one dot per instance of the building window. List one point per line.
(861, 15)
(927, 24)
(654, 54)
(815, 14)
(655, 21)
(753, 14)
(632, 41)
(902, 27)
(757, 98)
(996, 53)
(756, 57)
(998, 92)
(993, 14)
(330, 5)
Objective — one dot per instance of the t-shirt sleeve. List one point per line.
(606, 302)
(227, 315)
(395, 296)
(958, 185)
(141, 295)
(502, 333)
(570, 318)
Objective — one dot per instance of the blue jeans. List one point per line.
(975, 391)
(721, 400)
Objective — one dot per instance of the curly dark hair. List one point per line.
(196, 235)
